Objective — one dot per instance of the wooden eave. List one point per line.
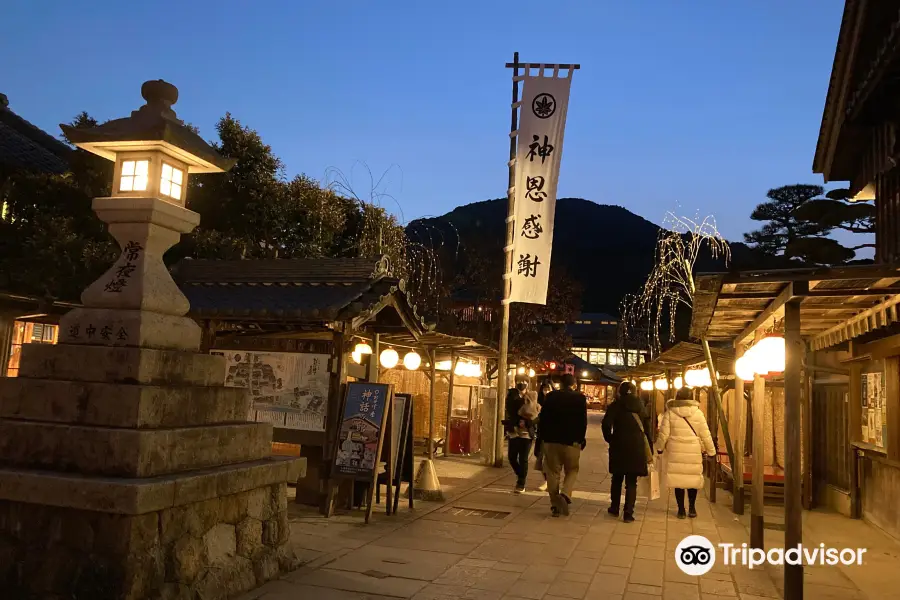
(835, 304)
(679, 357)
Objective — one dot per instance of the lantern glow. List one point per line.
(661, 384)
(362, 348)
(743, 368)
(412, 360)
(389, 358)
(647, 385)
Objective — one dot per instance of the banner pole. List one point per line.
(503, 361)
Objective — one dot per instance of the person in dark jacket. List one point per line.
(546, 388)
(563, 431)
(521, 412)
(626, 429)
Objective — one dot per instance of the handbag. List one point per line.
(648, 452)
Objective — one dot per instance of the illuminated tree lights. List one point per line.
(670, 284)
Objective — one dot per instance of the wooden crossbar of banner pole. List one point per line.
(518, 65)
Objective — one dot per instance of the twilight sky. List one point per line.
(687, 106)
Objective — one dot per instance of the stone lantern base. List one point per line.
(132, 473)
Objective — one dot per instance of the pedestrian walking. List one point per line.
(626, 428)
(563, 433)
(685, 438)
(546, 388)
(522, 410)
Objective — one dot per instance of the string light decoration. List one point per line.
(415, 261)
(670, 284)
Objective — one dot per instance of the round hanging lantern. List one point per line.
(389, 358)
(362, 348)
(770, 355)
(743, 368)
(531, 372)
(661, 384)
(553, 366)
(412, 360)
(521, 370)
(357, 357)
(678, 383)
(647, 385)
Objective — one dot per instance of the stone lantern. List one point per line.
(127, 469)
(136, 302)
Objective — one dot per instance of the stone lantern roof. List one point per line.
(154, 125)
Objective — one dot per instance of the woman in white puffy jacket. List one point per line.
(685, 438)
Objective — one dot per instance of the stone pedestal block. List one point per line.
(136, 328)
(131, 473)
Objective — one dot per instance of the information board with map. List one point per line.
(289, 389)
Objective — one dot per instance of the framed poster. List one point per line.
(289, 389)
(361, 430)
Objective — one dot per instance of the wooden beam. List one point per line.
(431, 407)
(737, 460)
(757, 510)
(793, 447)
(885, 311)
(453, 360)
(775, 309)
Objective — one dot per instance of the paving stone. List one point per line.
(681, 591)
(647, 572)
(496, 580)
(540, 574)
(722, 588)
(618, 556)
(528, 589)
(568, 589)
(358, 582)
(644, 589)
(409, 564)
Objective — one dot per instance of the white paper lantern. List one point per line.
(389, 358)
(531, 372)
(661, 384)
(647, 385)
(678, 383)
(521, 370)
(412, 360)
(362, 348)
(357, 357)
(743, 368)
(770, 354)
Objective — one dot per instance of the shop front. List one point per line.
(295, 332)
(26, 320)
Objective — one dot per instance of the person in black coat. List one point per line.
(626, 428)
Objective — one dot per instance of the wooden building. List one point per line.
(288, 328)
(859, 140)
(836, 374)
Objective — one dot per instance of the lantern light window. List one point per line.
(134, 175)
(171, 181)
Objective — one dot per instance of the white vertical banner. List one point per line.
(542, 122)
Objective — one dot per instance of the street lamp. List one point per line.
(136, 302)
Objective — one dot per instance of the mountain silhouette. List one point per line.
(607, 249)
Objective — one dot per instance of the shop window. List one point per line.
(28, 333)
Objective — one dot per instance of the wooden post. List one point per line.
(714, 429)
(854, 433)
(333, 419)
(503, 363)
(806, 402)
(717, 396)
(374, 365)
(757, 510)
(453, 360)
(737, 456)
(793, 515)
(431, 407)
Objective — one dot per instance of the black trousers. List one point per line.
(615, 492)
(679, 497)
(519, 452)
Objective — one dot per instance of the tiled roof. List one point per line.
(22, 145)
(296, 290)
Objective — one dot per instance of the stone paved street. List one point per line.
(489, 544)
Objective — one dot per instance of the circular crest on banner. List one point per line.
(543, 106)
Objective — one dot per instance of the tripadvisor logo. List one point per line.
(695, 555)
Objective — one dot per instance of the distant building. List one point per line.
(595, 340)
(25, 319)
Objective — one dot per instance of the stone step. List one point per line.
(130, 452)
(145, 495)
(121, 405)
(121, 365)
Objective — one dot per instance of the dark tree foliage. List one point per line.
(798, 221)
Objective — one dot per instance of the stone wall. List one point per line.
(209, 549)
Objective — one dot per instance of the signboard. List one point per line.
(361, 430)
(545, 101)
(289, 389)
(874, 409)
